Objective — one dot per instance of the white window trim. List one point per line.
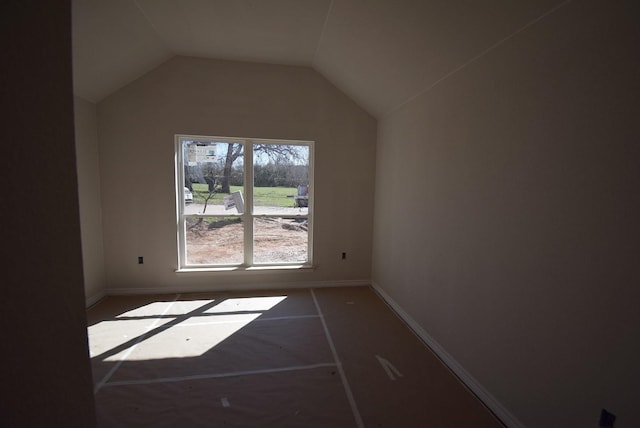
(247, 216)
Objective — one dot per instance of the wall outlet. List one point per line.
(344, 256)
(140, 260)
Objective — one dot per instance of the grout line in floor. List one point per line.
(219, 375)
(343, 377)
(111, 372)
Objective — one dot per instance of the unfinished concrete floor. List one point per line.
(329, 357)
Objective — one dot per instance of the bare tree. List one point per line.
(212, 190)
(234, 150)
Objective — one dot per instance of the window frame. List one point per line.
(248, 216)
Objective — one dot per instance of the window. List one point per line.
(243, 202)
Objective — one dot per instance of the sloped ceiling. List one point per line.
(381, 53)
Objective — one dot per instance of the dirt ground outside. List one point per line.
(218, 240)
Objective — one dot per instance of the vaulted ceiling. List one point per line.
(381, 53)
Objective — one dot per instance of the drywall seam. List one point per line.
(155, 29)
(469, 381)
(322, 32)
(235, 287)
(475, 58)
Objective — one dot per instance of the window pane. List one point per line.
(213, 177)
(280, 179)
(280, 240)
(214, 240)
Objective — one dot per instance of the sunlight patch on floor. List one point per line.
(143, 332)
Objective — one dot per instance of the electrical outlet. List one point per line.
(344, 256)
(140, 260)
(606, 419)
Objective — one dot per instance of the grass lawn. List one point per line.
(263, 196)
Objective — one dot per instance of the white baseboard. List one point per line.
(469, 381)
(94, 298)
(237, 287)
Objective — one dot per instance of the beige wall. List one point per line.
(86, 128)
(506, 216)
(209, 97)
(46, 376)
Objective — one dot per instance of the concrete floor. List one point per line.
(330, 357)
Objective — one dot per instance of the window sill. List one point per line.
(246, 269)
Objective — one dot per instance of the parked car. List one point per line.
(188, 196)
